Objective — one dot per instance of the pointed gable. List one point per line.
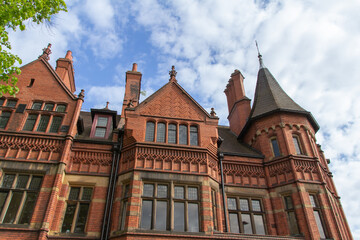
(172, 101)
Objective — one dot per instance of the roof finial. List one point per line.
(107, 105)
(172, 73)
(259, 56)
(46, 52)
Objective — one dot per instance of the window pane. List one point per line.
(69, 217)
(2, 101)
(123, 216)
(35, 183)
(87, 192)
(82, 216)
(36, 106)
(3, 196)
(49, 107)
(28, 209)
(148, 190)
(288, 202)
(183, 134)
(244, 205)
(100, 132)
(297, 145)
(319, 224)
(160, 132)
(150, 131)
(30, 122)
(4, 118)
(275, 147)
(312, 200)
(22, 181)
(60, 108)
(11, 103)
(256, 207)
(161, 215)
(193, 217)
(172, 133)
(259, 224)
(192, 193)
(193, 136)
(8, 180)
(102, 121)
(146, 214)
(234, 223)
(231, 203)
(74, 193)
(162, 191)
(126, 191)
(179, 192)
(43, 123)
(293, 223)
(13, 207)
(55, 125)
(246, 223)
(179, 216)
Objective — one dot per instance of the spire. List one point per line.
(259, 56)
(46, 52)
(172, 74)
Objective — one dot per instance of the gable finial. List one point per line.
(172, 73)
(46, 52)
(259, 56)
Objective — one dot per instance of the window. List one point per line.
(55, 125)
(317, 215)
(2, 100)
(48, 107)
(150, 131)
(124, 206)
(30, 122)
(11, 103)
(100, 129)
(77, 209)
(183, 134)
(60, 108)
(36, 106)
(291, 217)
(214, 208)
(193, 135)
(160, 136)
(297, 145)
(172, 133)
(155, 211)
(43, 123)
(275, 147)
(18, 194)
(4, 118)
(246, 216)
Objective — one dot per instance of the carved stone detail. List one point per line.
(29, 143)
(95, 158)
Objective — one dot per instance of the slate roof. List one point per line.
(232, 146)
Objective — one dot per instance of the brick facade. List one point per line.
(160, 169)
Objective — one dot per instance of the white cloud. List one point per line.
(97, 96)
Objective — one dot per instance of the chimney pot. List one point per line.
(69, 55)
(134, 68)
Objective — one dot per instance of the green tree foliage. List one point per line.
(14, 15)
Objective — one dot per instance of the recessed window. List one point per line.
(172, 133)
(60, 108)
(4, 118)
(183, 134)
(77, 209)
(55, 125)
(43, 123)
(18, 195)
(48, 107)
(2, 100)
(100, 130)
(291, 216)
(318, 216)
(161, 132)
(275, 147)
(126, 195)
(150, 132)
(214, 208)
(30, 122)
(297, 145)
(246, 216)
(193, 135)
(36, 106)
(11, 103)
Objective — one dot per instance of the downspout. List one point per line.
(111, 188)
(221, 157)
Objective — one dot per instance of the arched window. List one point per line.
(150, 131)
(193, 135)
(297, 145)
(160, 136)
(183, 134)
(275, 147)
(172, 133)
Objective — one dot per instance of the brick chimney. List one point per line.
(65, 70)
(238, 103)
(132, 89)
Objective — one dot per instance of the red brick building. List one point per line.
(163, 168)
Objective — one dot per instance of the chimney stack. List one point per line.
(132, 89)
(65, 70)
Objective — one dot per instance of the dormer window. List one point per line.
(102, 126)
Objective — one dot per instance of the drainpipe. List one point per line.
(221, 157)
(111, 188)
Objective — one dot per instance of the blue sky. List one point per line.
(311, 47)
